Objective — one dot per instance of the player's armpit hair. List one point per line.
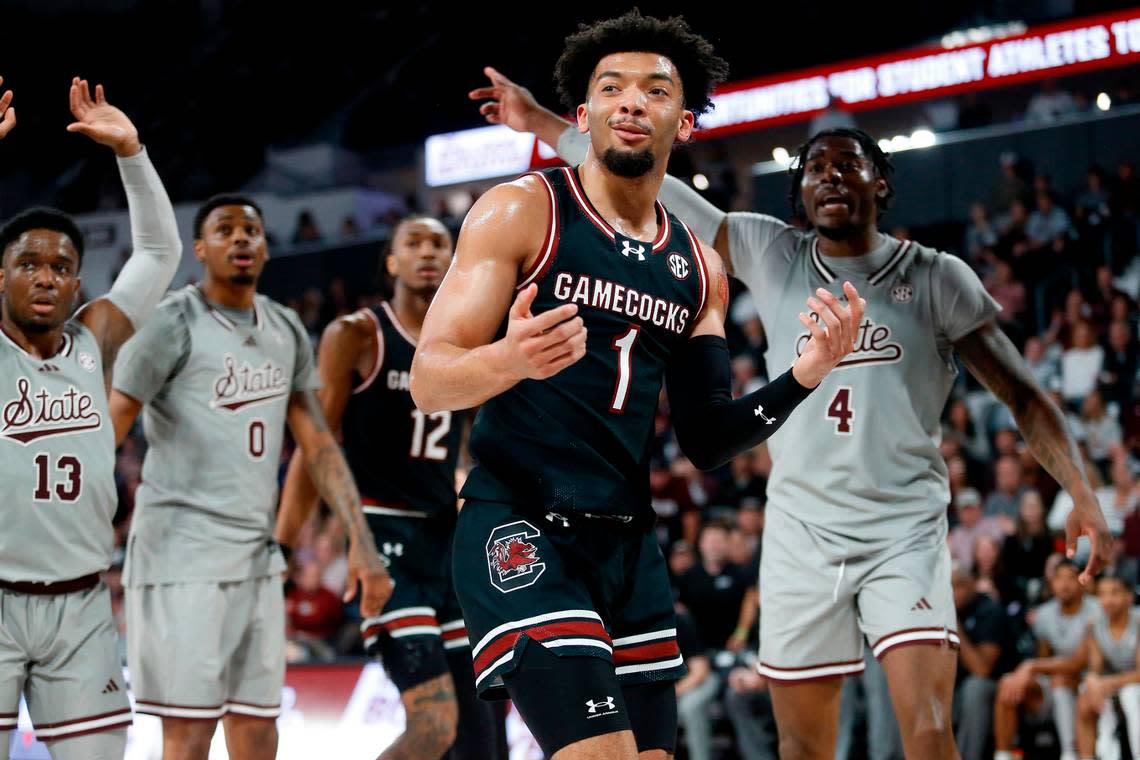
(711, 426)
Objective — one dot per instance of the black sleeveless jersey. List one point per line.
(402, 459)
(580, 441)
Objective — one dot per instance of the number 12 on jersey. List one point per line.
(839, 409)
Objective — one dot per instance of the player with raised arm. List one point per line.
(58, 641)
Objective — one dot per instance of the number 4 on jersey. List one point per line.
(840, 410)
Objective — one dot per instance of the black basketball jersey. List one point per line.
(402, 459)
(580, 441)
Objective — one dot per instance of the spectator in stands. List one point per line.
(1025, 552)
(306, 229)
(974, 112)
(1121, 497)
(1106, 292)
(678, 517)
(1080, 365)
(1050, 103)
(349, 228)
(742, 483)
(981, 240)
(1012, 240)
(1118, 370)
(314, 613)
(696, 690)
(982, 632)
(1048, 226)
(1045, 687)
(972, 438)
(1044, 367)
(1010, 293)
(992, 578)
(971, 525)
(714, 589)
(1091, 208)
(682, 557)
(1013, 185)
(749, 708)
(1113, 670)
(1004, 500)
(1099, 430)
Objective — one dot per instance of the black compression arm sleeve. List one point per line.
(711, 426)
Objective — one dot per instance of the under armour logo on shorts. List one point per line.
(606, 704)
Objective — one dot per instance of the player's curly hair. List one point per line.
(882, 161)
(700, 68)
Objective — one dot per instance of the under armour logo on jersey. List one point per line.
(111, 687)
(678, 266)
(628, 247)
(921, 604)
(396, 549)
(606, 704)
(759, 412)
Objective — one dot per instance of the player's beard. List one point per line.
(629, 164)
(837, 233)
(243, 279)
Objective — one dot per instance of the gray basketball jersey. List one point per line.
(858, 461)
(57, 461)
(1119, 654)
(1064, 633)
(216, 383)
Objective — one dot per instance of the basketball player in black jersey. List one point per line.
(404, 464)
(562, 584)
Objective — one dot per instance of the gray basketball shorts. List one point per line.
(200, 650)
(61, 652)
(815, 613)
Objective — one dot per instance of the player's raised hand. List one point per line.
(541, 347)
(832, 336)
(7, 112)
(101, 121)
(1087, 519)
(366, 567)
(510, 103)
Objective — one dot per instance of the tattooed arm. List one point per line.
(334, 481)
(432, 719)
(993, 359)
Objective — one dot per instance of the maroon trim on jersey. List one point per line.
(542, 632)
(702, 272)
(379, 354)
(653, 650)
(122, 724)
(541, 265)
(663, 226)
(64, 347)
(397, 324)
(58, 587)
(456, 633)
(817, 261)
(883, 271)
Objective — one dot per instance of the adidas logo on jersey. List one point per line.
(38, 415)
(48, 368)
(239, 387)
(249, 341)
(921, 604)
(111, 687)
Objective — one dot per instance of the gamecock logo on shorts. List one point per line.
(512, 559)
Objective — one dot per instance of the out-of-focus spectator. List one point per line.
(974, 112)
(696, 690)
(349, 228)
(682, 556)
(306, 229)
(1050, 103)
(971, 525)
(1004, 500)
(993, 580)
(333, 563)
(677, 514)
(1044, 367)
(1012, 185)
(1025, 552)
(1048, 225)
(980, 234)
(1080, 365)
(1099, 430)
(312, 610)
(749, 707)
(714, 589)
(1007, 291)
(1118, 371)
(832, 117)
(982, 633)
(972, 438)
